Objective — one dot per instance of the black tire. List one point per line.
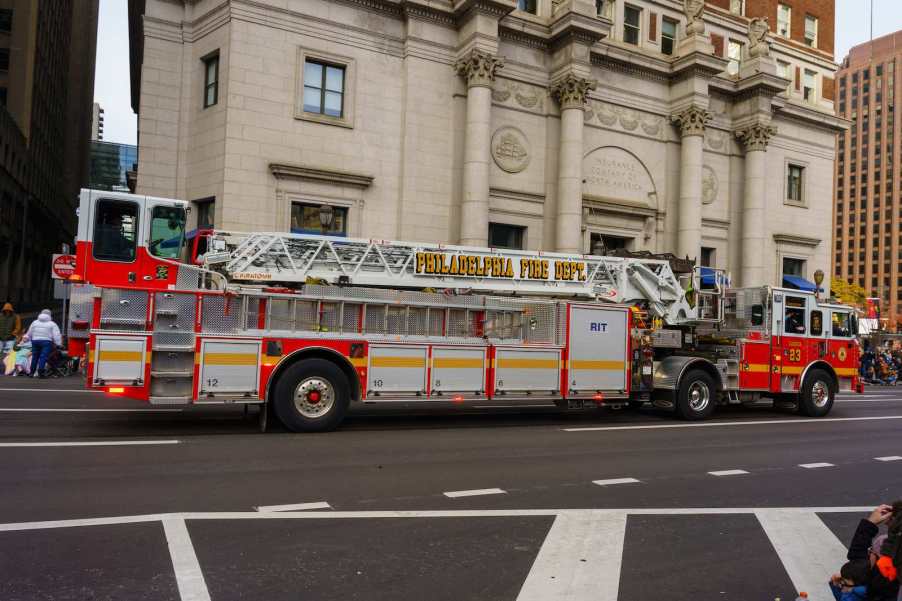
(696, 396)
(817, 394)
(311, 415)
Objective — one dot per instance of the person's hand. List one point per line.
(836, 580)
(880, 514)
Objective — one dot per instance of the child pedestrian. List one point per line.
(849, 584)
(23, 357)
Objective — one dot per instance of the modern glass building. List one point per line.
(109, 164)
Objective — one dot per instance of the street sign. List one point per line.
(63, 267)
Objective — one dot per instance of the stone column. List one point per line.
(570, 92)
(754, 202)
(689, 230)
(478, 68)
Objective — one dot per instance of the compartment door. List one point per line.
(527, 370)
(457, 369)
(229, 367)
(119, 359)
(598, 349)
(396, 369)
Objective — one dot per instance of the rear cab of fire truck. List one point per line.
(306, 325)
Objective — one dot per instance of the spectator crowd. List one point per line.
(881, 365)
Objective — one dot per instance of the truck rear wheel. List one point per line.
(311, 396)
(696, 396)
(817, 394)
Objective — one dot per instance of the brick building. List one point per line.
(568, 125)
(868, 211)
(47, 51)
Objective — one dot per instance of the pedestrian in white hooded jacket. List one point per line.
(44, 334)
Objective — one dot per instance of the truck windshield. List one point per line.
(167, 231)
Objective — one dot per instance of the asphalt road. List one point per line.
(105, 498)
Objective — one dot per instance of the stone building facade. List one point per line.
(571, 125)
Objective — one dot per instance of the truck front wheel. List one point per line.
(311, 396)
(817, 394)
(696, 396)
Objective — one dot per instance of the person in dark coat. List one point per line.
(890, 561)
(866, 545)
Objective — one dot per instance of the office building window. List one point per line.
(502, 235)
(784, 20)
(632, 17)
(795, 175)
(604, 8)
(809, 86)
(528, 6)
(4, 59)
(784, 70)
(324, 86)
(6, 20)
(309, 218)
(206, 209)
(734, 53)
(737, 7)
(794, 267)
(708, 257)
(811, 31)
(211, 79)
(668, 35)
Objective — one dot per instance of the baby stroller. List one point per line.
(59, 364)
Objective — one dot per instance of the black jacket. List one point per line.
(879, 588)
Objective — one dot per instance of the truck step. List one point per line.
(170, 400)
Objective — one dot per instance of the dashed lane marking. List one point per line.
(474, 493)
(82, 410)
(615, 481)
(889, 458)
(295, 507)
(812, 466)
(771, 422)
(89, 443)
(50, 390)
(728, 473)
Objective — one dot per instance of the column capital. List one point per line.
(571, 91)
(756, 137)
(691, 121)
(478, 67)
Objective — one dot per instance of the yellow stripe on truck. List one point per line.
(756, 368)
(457, 363)
(358, 361)
(845, 371)
(230, 359)
(598, 365)
(528, 363)
(120, 356)
(398, 362)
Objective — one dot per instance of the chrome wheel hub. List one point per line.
(314, 397)
(820, 394)
(699, 396)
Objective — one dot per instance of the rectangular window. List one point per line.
(324, 86)
(604, 8)
(784, 70)
(668, 35)
(784, 20)
(167, 232)
(319, 219)
(811, 31)
(502, 235)
(734, 53)
(631, 30)
(116, 231)
(4, 59)
(708, 257)
(817, 323)
(809, 86)
(794, 182)
(794, 316)
(211, 80)
(206, 210)
(6, 19)
(528, 6)
(840, 323)
(737, 7)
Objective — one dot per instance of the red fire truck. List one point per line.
(305, 325)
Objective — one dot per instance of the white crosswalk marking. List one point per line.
(579, 560)
(814, 466)
(728, 473)
(809, 550)
(188, 575)
(889, 458)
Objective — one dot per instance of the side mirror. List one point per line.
(757, 315)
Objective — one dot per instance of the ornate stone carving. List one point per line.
(709, 185)
(756, 137)
(501, 95)
(527, 99)
(694, 10)
(629, 119)
(478, 68)
(510, 149)
(759, 44)
(651, 125)
(589, 114)
(571, 91)
(607, 115)
(692, 121)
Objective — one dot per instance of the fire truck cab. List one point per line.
(305, 325)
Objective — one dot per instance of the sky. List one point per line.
(111, 85)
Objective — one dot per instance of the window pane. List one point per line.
(668, 28)
(210, 99)
(502, 235)
(211, 70)
(167, 231)
(313, 74)
(335, 79)
(312, 100)
(333, 104)
(631, 16)
(115, 231)
(305, 220)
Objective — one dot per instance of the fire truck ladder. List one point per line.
(291, 259)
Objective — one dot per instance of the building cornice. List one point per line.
(810, 116)
(320, 174)
(796, 239)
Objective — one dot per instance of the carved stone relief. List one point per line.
(614, 173)
(519, 94)
(627, 119)
(510, 149)
(710, 185)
